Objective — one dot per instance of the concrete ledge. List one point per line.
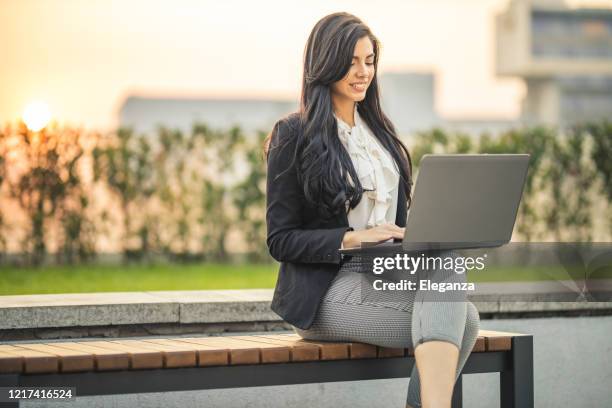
(125, 308)
(210, 307)
(560, 296)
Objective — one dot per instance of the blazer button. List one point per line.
(328, 256)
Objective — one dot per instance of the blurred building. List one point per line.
(144, 114)
(409, 100)
(407, 97)
(563, 54)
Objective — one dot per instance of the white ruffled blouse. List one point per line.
(377, 172)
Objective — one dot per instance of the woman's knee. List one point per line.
(472, 321)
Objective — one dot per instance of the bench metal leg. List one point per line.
(9, 380)
(516, 384)
(457, 401)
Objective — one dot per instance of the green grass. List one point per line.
(112, 278)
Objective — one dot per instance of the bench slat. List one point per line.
(148, 355)
(386, 352)
(69, 360)
(202, 351)
(497, 341)
(267, 353)
(297, 351)
(207, 355)
(356, 350)
(105, 359)
(480, 345)
(333, 350)
(138, 358)
(34, 361)
(10, 363)
(237, 354)
(173, 356)
(364, 350)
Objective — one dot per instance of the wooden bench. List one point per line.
(126, 366)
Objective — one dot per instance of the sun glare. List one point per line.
(36, 115)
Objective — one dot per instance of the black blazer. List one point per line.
(305, 244)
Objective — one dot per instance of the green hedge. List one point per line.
(183, 197)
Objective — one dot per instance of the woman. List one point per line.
(338, 176)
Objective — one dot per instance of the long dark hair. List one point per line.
(323, 162)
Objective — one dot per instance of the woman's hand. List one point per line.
(384, 232)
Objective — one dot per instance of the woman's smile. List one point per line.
(359, 86)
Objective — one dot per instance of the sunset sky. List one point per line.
(84, 57)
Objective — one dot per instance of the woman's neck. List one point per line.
(345, 110)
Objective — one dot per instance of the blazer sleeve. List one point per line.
(287, 240)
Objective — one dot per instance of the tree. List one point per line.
(250, 201)
(123, 161)
(45, 178)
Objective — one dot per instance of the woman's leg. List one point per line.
(437, 363)
(426, 355)
(396, 320)
(445, 327)
(345, 315)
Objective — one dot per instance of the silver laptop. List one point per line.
(460, 201)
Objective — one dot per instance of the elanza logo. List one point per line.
(412, 264)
